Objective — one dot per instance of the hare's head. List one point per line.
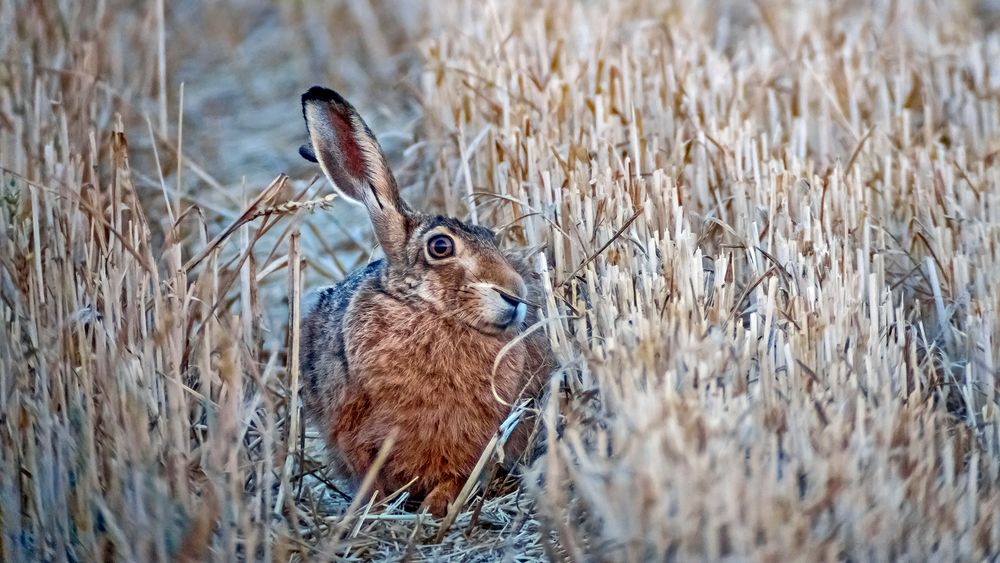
(456, 268)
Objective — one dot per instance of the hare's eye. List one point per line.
(440, 246)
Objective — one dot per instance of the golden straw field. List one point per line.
(769, 234)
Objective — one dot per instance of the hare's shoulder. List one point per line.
(323, 359)
(331, 302)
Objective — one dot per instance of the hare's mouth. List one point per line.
(499, 310)
(517, 315)
(511, 318)
(507, 317)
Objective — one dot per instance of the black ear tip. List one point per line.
(321, 94)
(306, 152)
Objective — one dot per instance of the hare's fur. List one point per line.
(409, 344)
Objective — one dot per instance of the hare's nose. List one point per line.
(510, 300)
(517, 308)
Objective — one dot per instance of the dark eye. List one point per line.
(440, 246)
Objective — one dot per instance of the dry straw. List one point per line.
(771, 239)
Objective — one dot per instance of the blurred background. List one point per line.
(228, 74)
(772, 250)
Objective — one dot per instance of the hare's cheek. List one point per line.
(437, 297)
(424, 292)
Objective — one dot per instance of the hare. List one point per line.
(408, 344)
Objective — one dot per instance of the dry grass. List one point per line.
(772, 242)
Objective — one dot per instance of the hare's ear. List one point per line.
(352, 159)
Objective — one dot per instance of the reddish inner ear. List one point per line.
(354, 162)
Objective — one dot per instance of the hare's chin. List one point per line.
(511, 322)
(496, 329)
(486, 324)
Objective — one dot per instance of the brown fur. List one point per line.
(409, 343)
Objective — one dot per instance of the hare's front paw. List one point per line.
(437, 500)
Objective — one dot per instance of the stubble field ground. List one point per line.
(770, 233)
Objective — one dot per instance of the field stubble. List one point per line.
(770, 234)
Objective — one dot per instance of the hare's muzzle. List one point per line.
(500, 308)
(517, 309)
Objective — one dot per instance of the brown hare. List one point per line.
(408, 344)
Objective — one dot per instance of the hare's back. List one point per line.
(324, 362)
